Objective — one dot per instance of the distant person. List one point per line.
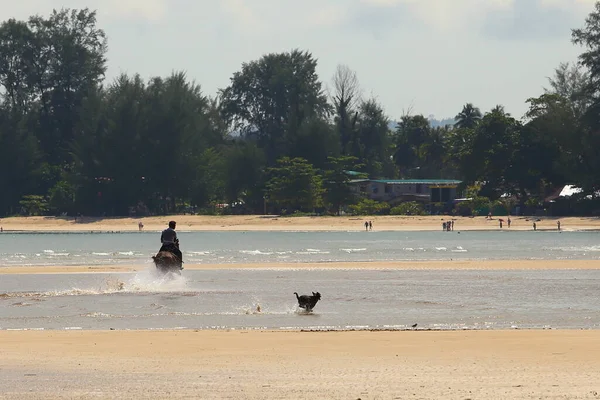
(1, 230)
(366, 225)
(444, 226)
(140, 226)
(508, 222)
(500, 220)
(489, 216)
(534, 226)
(370, 225)
(558, 225)
(169, 241)
(452, 224)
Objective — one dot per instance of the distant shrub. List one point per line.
(408, 208)
(369, 207)
(33, 205)
(475, 206)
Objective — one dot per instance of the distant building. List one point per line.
(396, 190)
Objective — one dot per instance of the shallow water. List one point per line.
(261, 299)
(40, 249)
(257, 299)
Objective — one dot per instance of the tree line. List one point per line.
(277, 136)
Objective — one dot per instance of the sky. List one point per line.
(425, 57)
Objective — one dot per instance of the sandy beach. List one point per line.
(275, 223)
(300, 365)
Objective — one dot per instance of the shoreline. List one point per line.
(356, 265)
(292, 364)
(261, 223)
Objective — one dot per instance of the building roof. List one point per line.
(418, 181)
(429, 182)
(354, 173)
(569, 190)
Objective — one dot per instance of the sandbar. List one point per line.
(277, 223)
(367, 265)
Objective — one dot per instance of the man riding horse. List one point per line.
(169, 240)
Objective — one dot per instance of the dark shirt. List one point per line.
(168, 236)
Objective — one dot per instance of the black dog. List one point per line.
(308, 302)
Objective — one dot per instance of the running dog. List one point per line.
(308, 302)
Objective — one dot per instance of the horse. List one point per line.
(166, 262)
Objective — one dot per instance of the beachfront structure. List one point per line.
(391, 190)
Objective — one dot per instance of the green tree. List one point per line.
(572, 83)
(372, 141)
(244, 169)
(67, 59)
(492, 151)
(468, 118)
(336, 181)
(588, 37)
(19, 159)
(410, 134)
(16, 40)
(273, 97)
(422, 151)
(34, 205)
(294, 185)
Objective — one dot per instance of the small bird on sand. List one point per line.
(414, 326)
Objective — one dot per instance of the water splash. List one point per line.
(150, 280)
(146, 281)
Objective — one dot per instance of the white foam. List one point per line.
(353, 250)
(255, 252)
(459, 249)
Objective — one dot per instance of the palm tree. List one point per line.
(469, 117)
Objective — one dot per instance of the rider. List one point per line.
(169, 240)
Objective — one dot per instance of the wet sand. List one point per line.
(408, 265)
(274, 223)
(300, 365)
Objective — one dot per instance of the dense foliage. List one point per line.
(274, 139)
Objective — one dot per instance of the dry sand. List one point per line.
(401, 265)
(274, 223)
(543, 364)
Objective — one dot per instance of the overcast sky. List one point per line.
(431, 56)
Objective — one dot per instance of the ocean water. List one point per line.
(264, 299)
(295, 247)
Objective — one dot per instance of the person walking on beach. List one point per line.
(508, 222)
(370, 225)
(558, 225)
(366, 225)
(169, 241)
(534, 226)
